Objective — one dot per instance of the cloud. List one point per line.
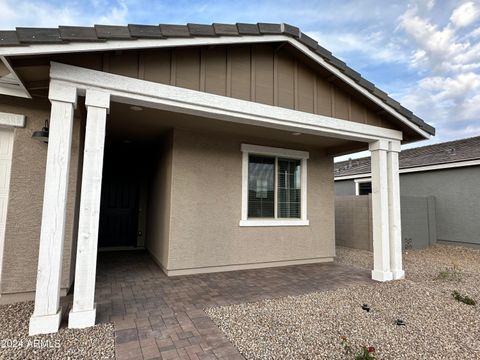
(45, 14)
(465, 14)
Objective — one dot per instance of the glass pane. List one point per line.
(364, 188)
(289, 188)
(261, 182)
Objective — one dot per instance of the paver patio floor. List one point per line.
(162, 317)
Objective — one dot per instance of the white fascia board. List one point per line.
(417, 169)
(12, 120)
(113, 45)
(171, 98)
(273, 151)
(199, 41)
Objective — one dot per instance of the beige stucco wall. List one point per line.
(206, 209)
(159, 206)
(24, 215)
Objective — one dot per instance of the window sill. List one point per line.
(273, 222)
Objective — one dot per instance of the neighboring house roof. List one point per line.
(24, 37)
(445, 153)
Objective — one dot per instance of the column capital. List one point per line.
(394, 146)
(378, 145)
(63, 93)
(99, 99)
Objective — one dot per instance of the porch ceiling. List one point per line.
(147, 125)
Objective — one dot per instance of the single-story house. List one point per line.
(448, 171)
(210, 145)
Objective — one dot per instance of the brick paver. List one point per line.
(160, 317)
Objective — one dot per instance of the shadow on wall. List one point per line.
(353, 222)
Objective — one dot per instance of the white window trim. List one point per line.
(357, 186)
(277, 152)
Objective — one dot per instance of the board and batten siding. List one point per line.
(264, 73)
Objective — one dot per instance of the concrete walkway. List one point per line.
(157, 317)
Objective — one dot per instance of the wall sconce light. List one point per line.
(42, 135)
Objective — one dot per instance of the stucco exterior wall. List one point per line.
(159, 206)
(206, 210)
(345, 188)
(24, 215)
(457, 197)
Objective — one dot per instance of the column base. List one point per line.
(379, 275)
(45, 324)
(82, 319)
(398, 274)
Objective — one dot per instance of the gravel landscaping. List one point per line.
(92, 343)
(311, 326)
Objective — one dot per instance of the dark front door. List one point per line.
(119, 204)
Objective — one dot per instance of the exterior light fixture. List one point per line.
(136, 108)
(42, 135)
(366, 307)
(400, 322)
(296, 134)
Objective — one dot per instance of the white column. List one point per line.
(380, 214)
(394, 211)
(47, 314)
(83, 311)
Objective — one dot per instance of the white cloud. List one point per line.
(465, 14)
(43, 14)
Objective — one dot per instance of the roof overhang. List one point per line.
(393, 108)
(10, 83)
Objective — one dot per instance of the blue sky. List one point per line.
(424, 53)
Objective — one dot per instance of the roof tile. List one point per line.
(337, 62)
(225, 29)
(78, 33)
(308, 41)
(291, 30)
(447, 152)
(38, 35)
(268, 28)
(113, 32)
(145, 31)
(381, 94)
(9, 38)
(248, 29)
(174, 30)
(366, 84)
(353, 74)
(201, 30)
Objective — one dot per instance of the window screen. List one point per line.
(261, 183)
(288, 188)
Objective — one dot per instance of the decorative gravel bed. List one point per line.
(97, 342)
(311, 326)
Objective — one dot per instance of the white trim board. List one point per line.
(199, 41)
(17, 89)
(12, 120)
(303, 156)
(171, 98)
(452, 165)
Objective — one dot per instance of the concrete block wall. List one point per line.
(353, 221)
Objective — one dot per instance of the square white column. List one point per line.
(394, 209)
(83, 311)
(47, 313)
(380, 213)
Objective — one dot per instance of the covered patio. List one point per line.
(156, 316)
(101, 90)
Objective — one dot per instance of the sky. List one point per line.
(424, 53)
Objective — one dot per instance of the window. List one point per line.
(363, 186)
(274, 186)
